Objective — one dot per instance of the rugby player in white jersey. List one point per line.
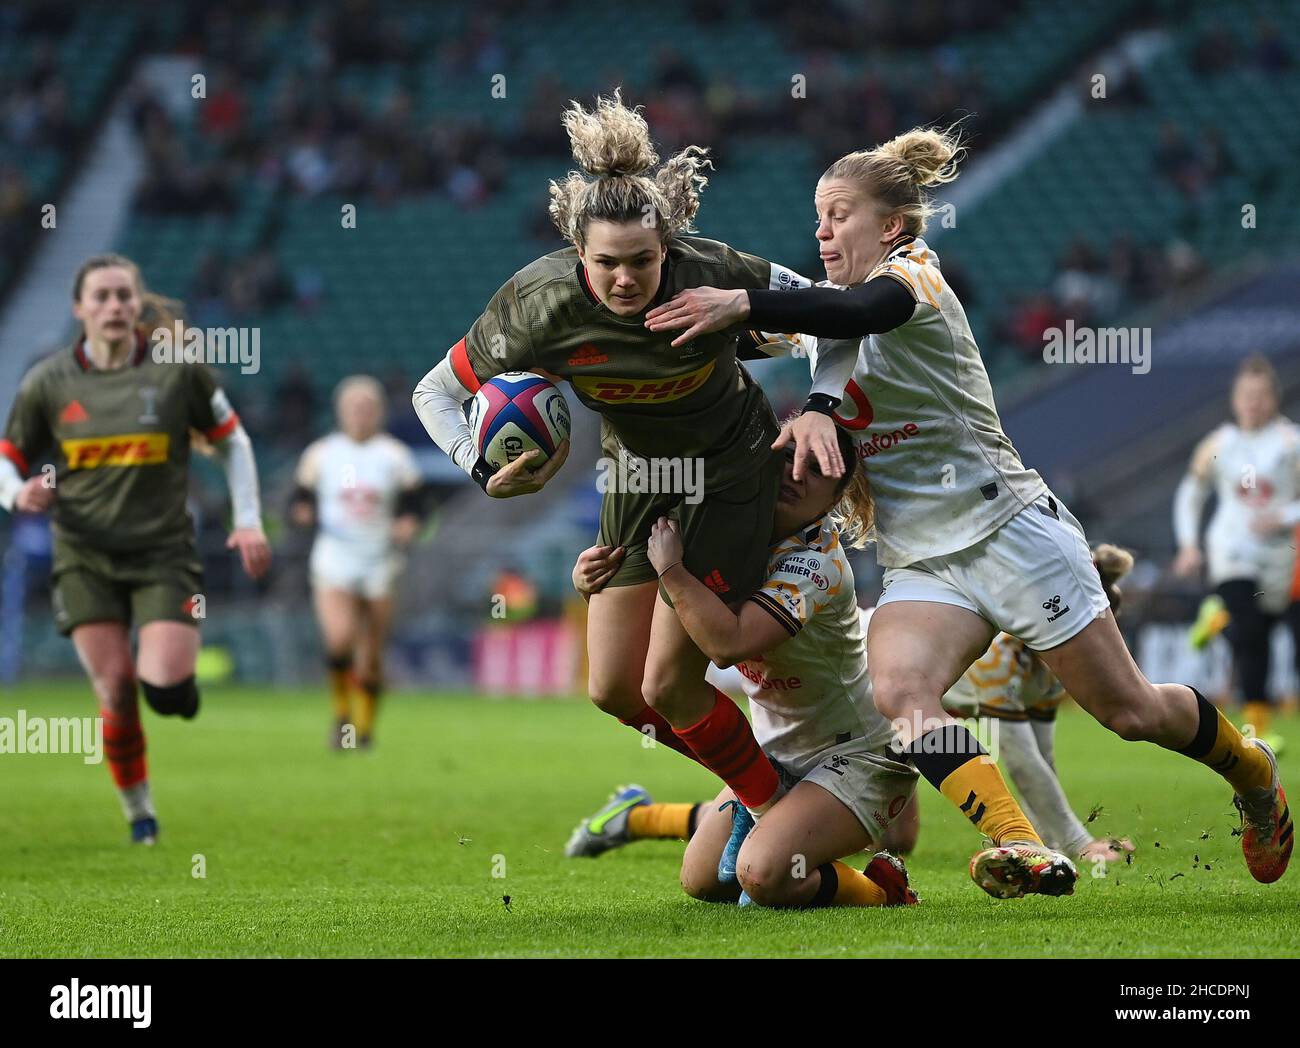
(799, 646)
(1252, 465)
(973, 542)
(361, 489)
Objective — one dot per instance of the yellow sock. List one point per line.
(856, 889)
(660, 822)
(1244, 766)
(978, 790)
(341, 693)
(1258, 715)
(368, 696)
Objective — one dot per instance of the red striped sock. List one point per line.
(724, 743)
(660, 730)
(124, 746)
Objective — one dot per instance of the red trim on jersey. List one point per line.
(224, 430)
(137, 355)
(10, 451)
(463, 368)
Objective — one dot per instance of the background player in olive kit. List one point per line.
(117, 425)
(362, 489)
(578, 314)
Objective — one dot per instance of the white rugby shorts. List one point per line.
(1033, 577)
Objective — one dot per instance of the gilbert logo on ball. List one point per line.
(516, 412)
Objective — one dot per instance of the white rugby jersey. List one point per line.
(812, 691)
(1007, 681)
(1251, 471)
(919, 404)
(357, 485)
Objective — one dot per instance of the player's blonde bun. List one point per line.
(611, 145)
(896, 173)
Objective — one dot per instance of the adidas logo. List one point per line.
(716, 582)
(588, 355)
(74, 412)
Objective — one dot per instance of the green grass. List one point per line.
(315, 853)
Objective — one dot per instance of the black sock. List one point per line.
(941, 751)
(172, 699)
(1207, 728)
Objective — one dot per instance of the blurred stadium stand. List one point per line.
(1129, 213)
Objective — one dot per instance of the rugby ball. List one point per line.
(515, 413)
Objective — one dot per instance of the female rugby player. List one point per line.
(578, 314)
(362, 489)
(1253, 466)
(799, 646)
(117, 424)
(972, 540)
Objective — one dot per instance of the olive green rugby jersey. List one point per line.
(692, 401)
(120, 444)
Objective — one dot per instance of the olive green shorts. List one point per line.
(725, 536)
(92, 585)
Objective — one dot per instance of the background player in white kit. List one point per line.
(1252, 465)
(972, 541)
(361, 488)
(799, 645)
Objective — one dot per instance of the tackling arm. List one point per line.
(725, 636)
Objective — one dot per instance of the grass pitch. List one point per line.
(309, 852)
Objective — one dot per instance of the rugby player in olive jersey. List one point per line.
(578, 314)
(116, 426)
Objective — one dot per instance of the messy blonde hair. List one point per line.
(611, 144)
(896, 173)
(1113, 564)
(156, 311)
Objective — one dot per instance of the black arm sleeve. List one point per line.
(869, 309)
(413, 501)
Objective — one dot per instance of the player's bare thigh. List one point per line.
(674, 671)
(805, 828)
(618, 637)
(376, 619)
(916, 651)
(339, 614)
(104, 649)
(1097, 669)
(167, 652)
(704, 849)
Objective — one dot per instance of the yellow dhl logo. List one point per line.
(125, 449)
(641, 391)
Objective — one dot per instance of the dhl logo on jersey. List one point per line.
(641, 391)
(125, 449)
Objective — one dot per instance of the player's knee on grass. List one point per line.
(768, 877)
(700, 883)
